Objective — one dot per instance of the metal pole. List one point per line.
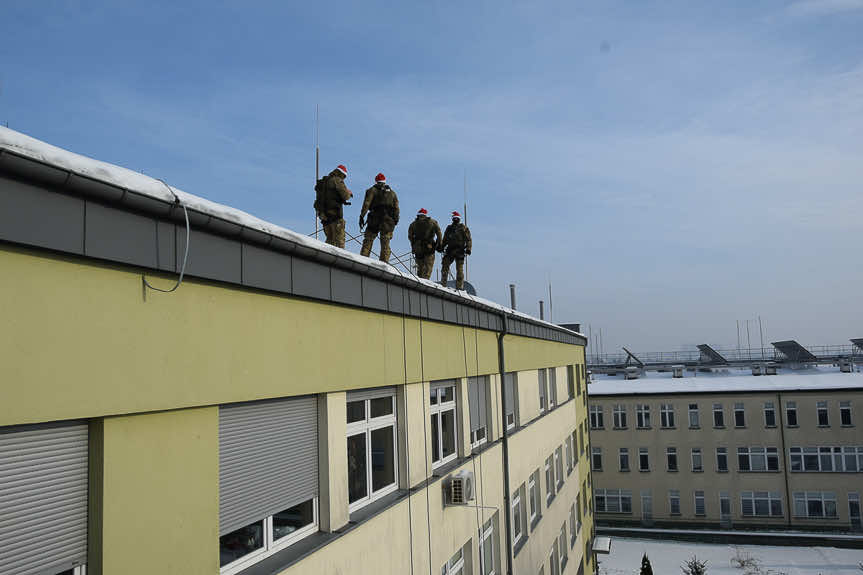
(738, 338)
(317, 159)
(512, 296)
(748, 341)
(466, 275)
(550, 304)
(761, 331)
(541, 310)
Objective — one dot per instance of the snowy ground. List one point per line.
(666, 558)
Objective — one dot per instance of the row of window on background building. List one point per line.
(547, 378)
(667, 415)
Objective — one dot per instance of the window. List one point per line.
(760, 504)
(477, 391)
(619, 414)
(671, 458)
(624, 459)
(455, 566)
(718, 415)
(543, 390)
(596, 420)
(643, 459)
(845, 458)
(697, 465)
(674, 502)
(699, 503)
(570, 381)
(581, 438)
(575, 448)
(814, 504)
(739, 415)
(721, 459)
(487, 555)
(769, 414)
(519, 516)
(577, 513)
(510, 393)
(612, 500)
(724, 506)
(845, 413)
(372, 446)
(757, 459)
(694, 418)
(443, 422)
(552, 387)
(558, 463)
(596, 459)
(578, 378)
(666, 416)
(561, 545)
(642, 416)
(549, 479)
(554, 559)
(791, 413)
(823, 419)
(568, 443)
(533, 496)
(573, 530)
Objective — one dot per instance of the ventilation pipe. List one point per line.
(541, 309)
(512, 296)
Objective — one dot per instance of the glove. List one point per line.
(362, 222)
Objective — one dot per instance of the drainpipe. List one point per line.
(788, 503)
(505, 443)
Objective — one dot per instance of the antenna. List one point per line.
(317, 157)
(466, 275)
(550, 305)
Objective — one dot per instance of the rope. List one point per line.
(407, 431)
(425, 442)
(185, 252)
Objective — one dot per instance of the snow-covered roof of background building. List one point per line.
(735, 381)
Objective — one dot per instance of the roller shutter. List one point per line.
(268, 458)
(362, 394)
(509, 392)
(477, 389)
(43, 498)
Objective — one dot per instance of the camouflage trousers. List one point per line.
(425, 265)
(335, 232)
(369, 240)
(459, 270)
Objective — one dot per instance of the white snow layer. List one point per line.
(801, 381)
(29, 147)
(666, 558)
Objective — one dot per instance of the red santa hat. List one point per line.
(380, 179)
(342, 169)
(456, 215)
(423, 211)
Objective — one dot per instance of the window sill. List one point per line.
(823, 426)
(721, 471)
(761, 471)
(666, 427)
(644, 471)
(789, 426)
(549, 499)
(718, 427)
(597, 429)
(623, 470)
(739, 427)
(847, 425)
(769, 427)
(643, 428)
(672, 470)
(697, 471)
(619, 428)
(535, 521)
(694, 427)
(518, 546)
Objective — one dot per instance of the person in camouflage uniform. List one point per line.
(331, 195)
(456, 245)
(382, 205)
(425, 237)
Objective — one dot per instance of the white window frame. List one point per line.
(533, 491)
(561, 546)
(455, 565)
(549, 479)
(518, 515)
(542, 378)
(487, 534)
(823, 497)
(619, 416)
(838, 456)
(270, 546)
(693, 410)
(845, 407)
(573, 531)
(577, 514)
(594, 453)
(596, 417)
(612, 500)
(753, 496)
(720, 409)
(568, 444)
(791, 407)
(621, 452)
(554, 559)
(674, 495)
(669, 452)
(666, 416)
(700, 468)
(474, 442)
(822, 407)
(438, 409)
(646, 452)
(739, 407)
(724, 452)
(769, 407)
(558, 466)
(514, 415)
(751, 453)
(696, 496)
(367, 426)
(552, 387)
(642, 416)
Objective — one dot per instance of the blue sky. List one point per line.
(670, 166)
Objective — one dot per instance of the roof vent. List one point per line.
(677, 370)
(632, 372)
(845, 366)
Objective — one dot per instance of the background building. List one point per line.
(729, 451)
(288, 408)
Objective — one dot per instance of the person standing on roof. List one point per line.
(456, 245)
(382, 205)
(331, 194)
(425, 238)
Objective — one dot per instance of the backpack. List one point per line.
(423, 236)
(320, 194)
(383, 203)
(457, 239)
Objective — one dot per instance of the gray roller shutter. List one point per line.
(476, 389)
(509, 392)
(370, 393)
(43, 498)
(268, 458)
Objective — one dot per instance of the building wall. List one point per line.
(149, 370)
(755, 433)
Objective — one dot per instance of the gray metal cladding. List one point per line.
(450, 311)
(34, 216)
(396, 298)
(113, 234)
(435, 307)
(347, 287)
(266, 269)
(210, 256)
(43, 498)
(374, 293)
(268, 458)
(477, 390)
(311, 279)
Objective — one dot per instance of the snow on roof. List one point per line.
(802, 380)
(45, 153)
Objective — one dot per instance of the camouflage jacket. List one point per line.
(424, 235)
(456, 239)
(381, 203)
(335, 195)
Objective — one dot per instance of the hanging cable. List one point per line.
(185, 252)
(478, 455)
(407, 431)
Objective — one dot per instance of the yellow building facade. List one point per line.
(287, 409)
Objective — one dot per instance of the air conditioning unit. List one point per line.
(460, 488)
